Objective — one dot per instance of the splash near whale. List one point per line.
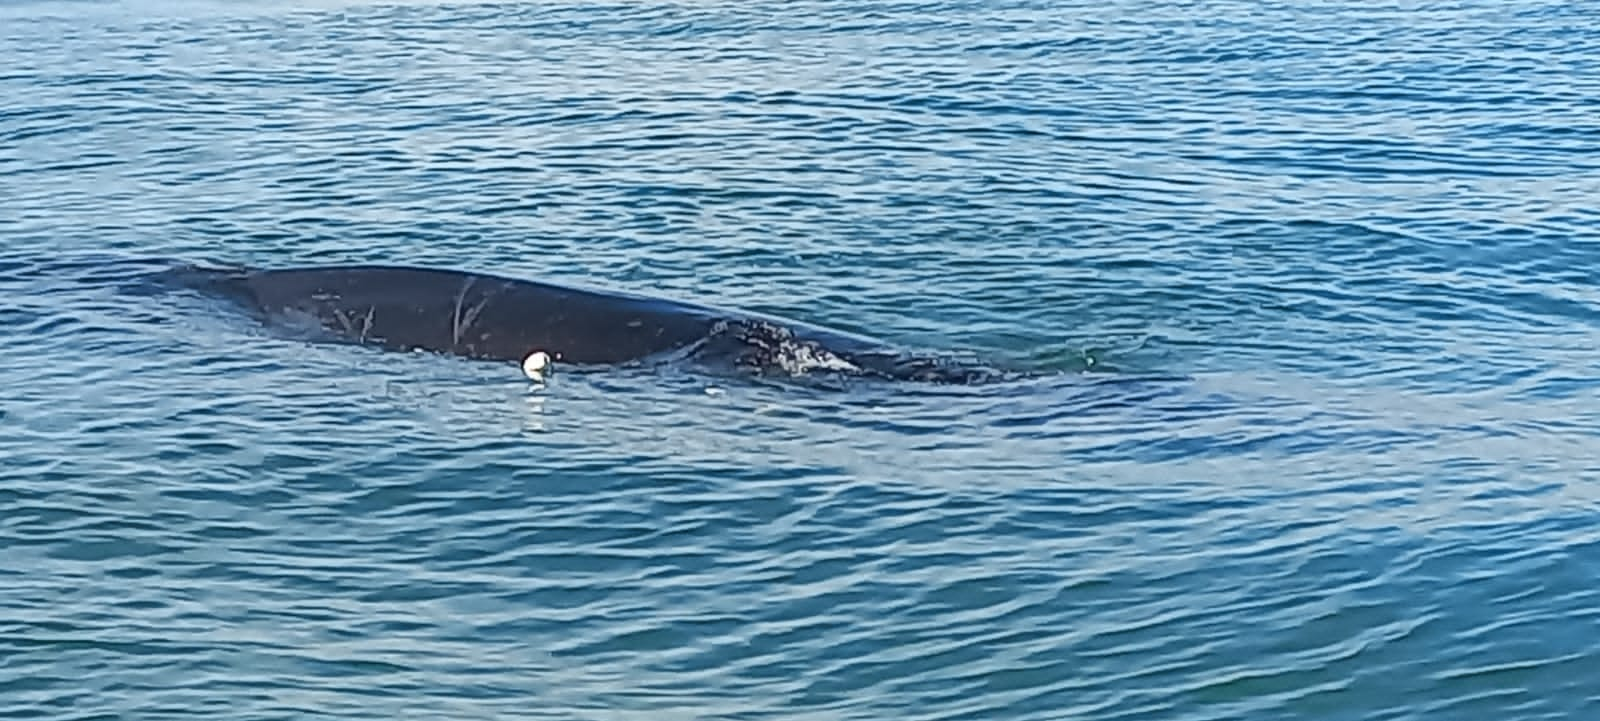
(490, 317)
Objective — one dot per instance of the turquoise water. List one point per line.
(1310, 290)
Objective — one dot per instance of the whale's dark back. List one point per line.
(489, 317)
(468, 314)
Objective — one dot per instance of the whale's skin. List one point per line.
(490, 317)
(472, 315)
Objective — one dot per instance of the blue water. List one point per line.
(1311, 292)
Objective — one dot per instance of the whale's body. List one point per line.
(482, 316)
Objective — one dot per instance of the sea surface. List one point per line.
(1309, 294)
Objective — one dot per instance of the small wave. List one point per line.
(769, 349)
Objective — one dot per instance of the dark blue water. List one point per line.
(1312, 291)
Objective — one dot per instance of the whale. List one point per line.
(493, 317)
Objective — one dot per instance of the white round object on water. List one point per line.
(533, 366)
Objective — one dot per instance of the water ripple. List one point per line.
(1310, 291)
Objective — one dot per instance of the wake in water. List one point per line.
(768, 349)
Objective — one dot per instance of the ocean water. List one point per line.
(1311, 293)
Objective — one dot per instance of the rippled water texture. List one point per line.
(1310, 287)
